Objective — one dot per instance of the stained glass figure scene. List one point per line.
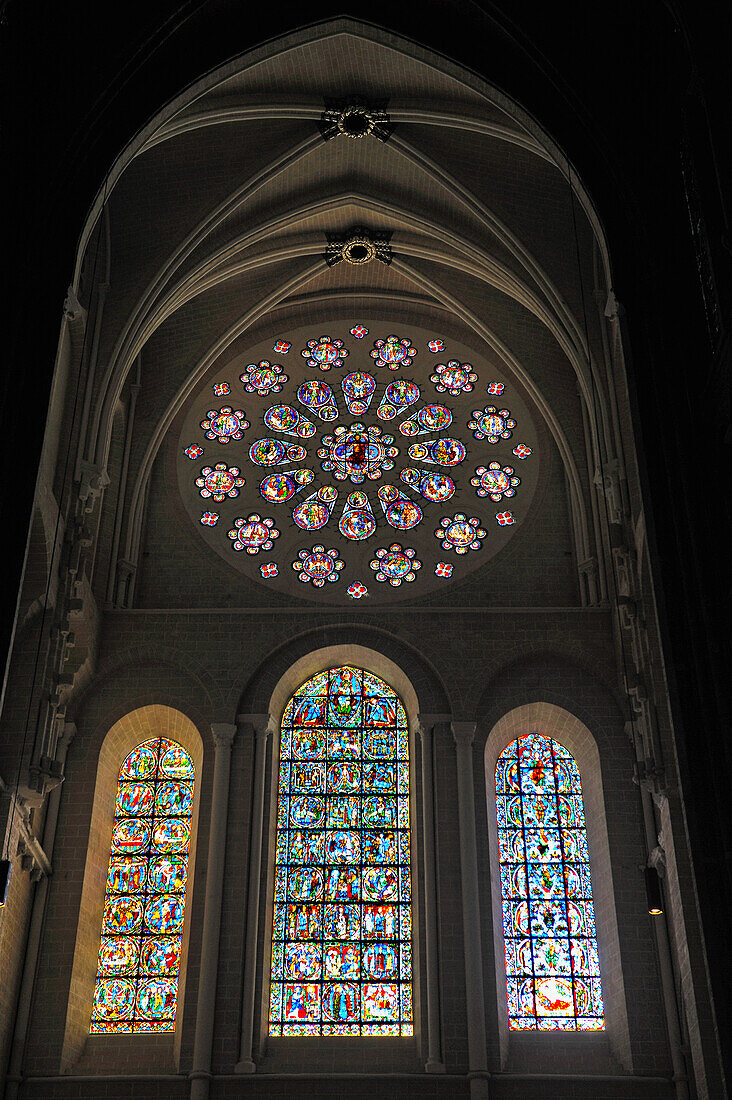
(142, 924)
(552, 966)
(342, 929)
(363, 439)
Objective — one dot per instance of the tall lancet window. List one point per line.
(342, 930)
(552, 967)
(142, 925)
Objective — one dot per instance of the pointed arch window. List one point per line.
(142, 925)
(342, 929)
(552, 967)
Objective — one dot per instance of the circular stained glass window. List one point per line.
(379, 435)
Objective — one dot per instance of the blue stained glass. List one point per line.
(341, 954)
(552, 965)
(142, 923)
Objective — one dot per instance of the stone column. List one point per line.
(464, 733)
(25, 997)
(426, 724)
(200, 1075)
(263, 726)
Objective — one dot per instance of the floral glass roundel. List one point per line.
(263, 378)
(454, 377)
(393, 352)
(552, 967)
(225, 424)
(342, 922)
(142, 924)
(220, 481)
(324, 353)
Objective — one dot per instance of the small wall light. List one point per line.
(653, 891)
(5, 868)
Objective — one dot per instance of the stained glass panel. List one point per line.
(142, 924)
(552, 966)
(342, 941)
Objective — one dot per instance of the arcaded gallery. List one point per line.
(338, 753)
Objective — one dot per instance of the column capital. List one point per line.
(426, 723)
(263, 723)
(223, 734)
(426, 719)
(464, 733)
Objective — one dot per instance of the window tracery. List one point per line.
(379, 434)
(553, 978)
(341, 947)
(142, 924)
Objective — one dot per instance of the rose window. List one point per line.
(361, 458)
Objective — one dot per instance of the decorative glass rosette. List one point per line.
(389, 464)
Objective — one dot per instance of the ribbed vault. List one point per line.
(217, 218)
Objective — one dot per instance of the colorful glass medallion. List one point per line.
(341, 945)
(454, 377)
(269, 569)
(505, 519)
(357, 452)
(432, 486)
(495, 482)
(441, 452)
(221, 389)
(357, 521)
(393, 352)
(436, 346)
(432, 418)
(358, 389)
(491, 425)
(553, 978)
(324, 353)
(209, 519)
(399, 510)
(253, 534)
(263, 378)
(224, 424)
(460, 533)
(285, 419)
(315, 510)
(220, 481)
(193, 451)
(398, 395)
(317, 565)
(270, 452)
(495, 388)
(139, 954)
(522, 451)
(318, 396)
(278, 488)
(443, 569)
(357, 590)
(395, 564)
(359, 331)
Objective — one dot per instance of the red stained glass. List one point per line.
(341, 951)
(552, 966)
(142, 923)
